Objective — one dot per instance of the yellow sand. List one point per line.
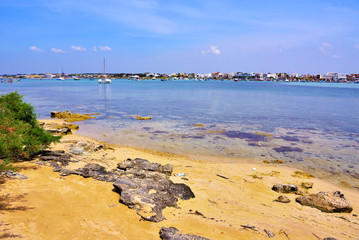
(76, 208)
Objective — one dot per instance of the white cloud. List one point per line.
(57, 50)
(36, 49)
(104, 48)
(78, 48)
(325, 48)
(95, 49)
(337, 56)
(212, 49)
(356, 46)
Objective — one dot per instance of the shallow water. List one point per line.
(311, 126)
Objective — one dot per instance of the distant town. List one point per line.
(239, 76)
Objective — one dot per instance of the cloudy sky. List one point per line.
(304, 36)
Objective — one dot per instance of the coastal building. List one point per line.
(272, 75)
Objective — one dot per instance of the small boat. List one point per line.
(105, 79)
(61, 79)
(76, 78)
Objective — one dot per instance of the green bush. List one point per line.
(20, 135)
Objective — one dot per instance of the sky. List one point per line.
(192, 36)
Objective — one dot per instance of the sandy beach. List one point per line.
(228, 196)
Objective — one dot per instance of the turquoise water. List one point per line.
(312, 126)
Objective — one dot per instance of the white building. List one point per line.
(272, 75)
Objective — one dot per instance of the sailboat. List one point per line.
(105, 79)
(60, 76)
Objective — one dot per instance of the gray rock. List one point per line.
(88, 146)
(77, 150)
(269, 233)
(326, 202)
(143, 164)
(171, 233)
(97, 172)
(146, 187)
(285, 188)
(60, 131)
(329, 238)
(12, 174)
(57, 156)
(283, 199)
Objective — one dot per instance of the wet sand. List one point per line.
(72, 207)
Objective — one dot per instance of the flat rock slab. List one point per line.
(326, 202)
(146, 187)
(172, 233)
(285, 188)
(12, 174)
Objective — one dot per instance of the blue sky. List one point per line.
(201, 36)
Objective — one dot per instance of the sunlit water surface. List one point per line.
(311, 126)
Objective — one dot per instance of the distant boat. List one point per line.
(61, 79)
(105, 79)
(76, 78)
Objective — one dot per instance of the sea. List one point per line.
(313, 127)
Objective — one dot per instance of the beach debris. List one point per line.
(146, 187)
(282, 199)
(142, 118)
(330, 202)
(249, 227)
(254, 169)
(222, 176)
(270, 234)
(71, 117)
(307, 185)
(172, 233)
(285, 188)
(12, 174)
(300, 174)
(180, 174)
(329, 238)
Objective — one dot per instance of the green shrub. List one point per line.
(20, 135)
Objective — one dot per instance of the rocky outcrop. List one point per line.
(56, 156)
(94, 171)
(285, 188)
(172, 233)
(307, 185)
(71, 117)
(326, 202)
(87, 146)
(143, 164)
(146, 187)
(12, 174)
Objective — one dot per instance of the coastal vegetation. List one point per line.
(20, 134)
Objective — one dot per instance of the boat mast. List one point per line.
(104, 65)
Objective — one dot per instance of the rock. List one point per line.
(146, 187)
(283, 199)
(88, 146)
(143, 118)
(326, 202)
(77, 150)
(12, 174)
(329, 238)
(285, 188)
(60, 131)
(171, 233)
(269, 233)
(307, 185)
(57, 156)
(139, 163)
(97, 172)
(70, 117)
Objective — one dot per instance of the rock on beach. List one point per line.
(326, 202)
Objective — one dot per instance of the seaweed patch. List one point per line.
(287, 149)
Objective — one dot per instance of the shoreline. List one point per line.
(60, 207)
